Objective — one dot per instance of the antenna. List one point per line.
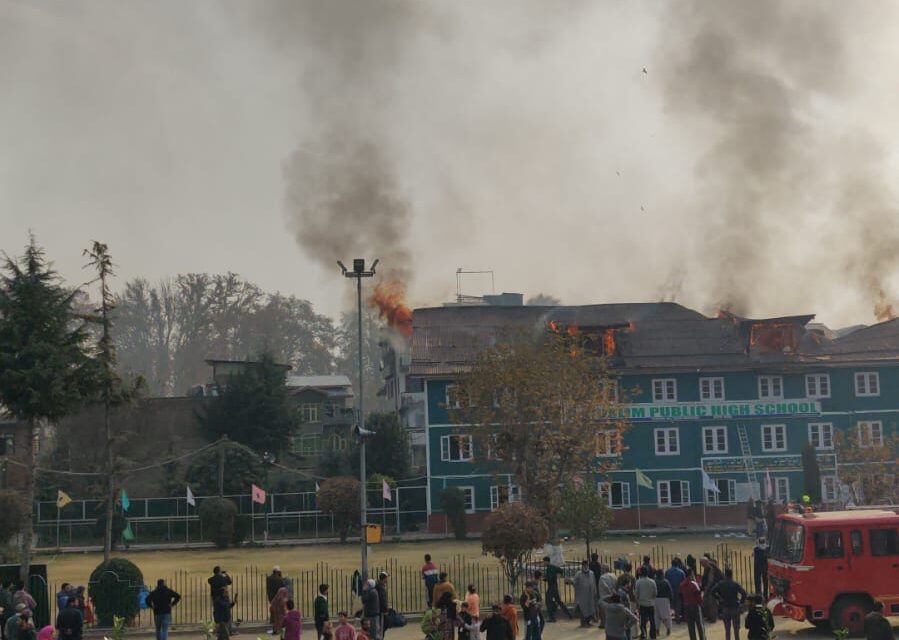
(460, 272)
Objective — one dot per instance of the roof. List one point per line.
(319, 382)
(841, 517)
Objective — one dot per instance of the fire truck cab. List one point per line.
(828, 568)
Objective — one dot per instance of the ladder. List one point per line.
(748, 463)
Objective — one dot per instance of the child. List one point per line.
(469, 628)
(344, 630)
(759, 621)
(293, 622)
(364, 632)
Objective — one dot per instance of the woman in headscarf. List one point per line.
(711, 575)
(278, 609)
(47, 633)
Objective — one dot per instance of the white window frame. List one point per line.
(514, 495)
(781, 488)
(711, 388)
(451, 399)
(817, 385)
(610, 391)
(446, 448)
(820, 435)
(468, 491)
(667, 448)
(605, 490)
(768, 381)
(664, 389)
(829, 489)
(774, 429)
(611, 439)
(870, 384)
(663, 493)
(716, 431)
(866, 430)
(714, 499)
(310, 412)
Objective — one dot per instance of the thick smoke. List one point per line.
(784, 170)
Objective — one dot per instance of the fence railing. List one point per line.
(405, 589)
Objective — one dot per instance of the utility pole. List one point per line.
(358, 273)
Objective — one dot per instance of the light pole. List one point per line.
(358, 272)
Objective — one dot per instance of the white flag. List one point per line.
(708, 484)
(190, 497)
(769, 486)
(317, 487)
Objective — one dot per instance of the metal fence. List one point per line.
(284, 516)
(406, 591)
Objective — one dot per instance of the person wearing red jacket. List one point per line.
(691, 600)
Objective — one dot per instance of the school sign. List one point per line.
(716, 410)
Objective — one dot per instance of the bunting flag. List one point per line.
(317, 488)
(126, 503)
(258, 494)
(190, 497)
(128, 534)
(385, 491)
(643, 480)
(62, 498)
(708, 484)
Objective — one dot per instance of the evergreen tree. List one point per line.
(388, 450)
(45, 368)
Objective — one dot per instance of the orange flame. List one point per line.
(389, 298)
(608, 342)
(883, 310)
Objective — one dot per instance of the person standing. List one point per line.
(21, 596)
(530, 610)
(876, 626)
(607, 586)
(691, 602)
(732, 596)
(585, 594)
(596, 568)
(551, 574)
(760, 567)
(344, 630)
(664, 600)
(221, 613)
(273, 582)
(618, 617)
(364, 632)
(371, 608)
(320, 613)
(474, 601)
(218, 581)
(496, 625)
(161, 600)
(466, 623)
(278, 609)
(645, 591)
(70, 622)
(293, 622)
(381, 586)
(62, 597)
(430, 574)
(675, 576)
(711, 575)
(759, 621)
(443, 586)
(510, 613)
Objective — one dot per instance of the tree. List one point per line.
(340, 498)
(511, 533)
(811, 474)
(241, 470)
(452, 502)
(388, 450)
(45, 369)
(538, 404)
(12, 507)
(339, 462)
(113, 588)
(584, 512)
(217, 518)
(253, 408)
(348, 353)
(867, 464)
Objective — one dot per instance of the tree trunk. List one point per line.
(110, 486)
(27, 538)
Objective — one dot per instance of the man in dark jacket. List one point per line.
(381, 588)
(69, 622)
(551, 574)
(731, 596)
(273, 582)
(161, 600)
(496, 626)
(320, 613)
(219, 580)
(760, 567)
(371, 608)
(876, 626)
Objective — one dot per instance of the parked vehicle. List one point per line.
(828, 568)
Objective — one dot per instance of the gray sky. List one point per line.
(750, 165)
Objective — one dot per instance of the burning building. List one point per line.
(728, 399)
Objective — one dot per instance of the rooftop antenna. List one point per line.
(460, 272)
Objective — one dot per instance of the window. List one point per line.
(664, 390)
(667, 442)
(884, 542)
(503, 493)
(711, 388)
(674, 493)
(867, 383)
(774, 437)
(788, 541)
(817, 385)
(781, 489)
(820, 435)
(828, 489)
(455, 448)
(453, 397)
(727, 492)
(714, 439)
(607, 444)
(338, 442)
(307, 444)
(468, 495)
(616, 494)
(870, 434)
(7, 444)
(610, 390)
(856, 542)
(771, 387)
(309, 412)
(828, 544)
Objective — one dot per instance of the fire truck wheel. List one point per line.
(849, 612)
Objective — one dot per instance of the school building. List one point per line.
(734, 397)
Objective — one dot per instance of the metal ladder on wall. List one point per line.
(748, 462)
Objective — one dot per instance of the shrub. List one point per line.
(217, 517)
(340, 497)
(13, 509)
(510, 534)
(452, 501)
(243, 525)
(113, 587)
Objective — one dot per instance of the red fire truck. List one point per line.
(828, 568)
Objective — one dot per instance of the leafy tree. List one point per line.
(241, 470)
(868, 467)
(217, 518)
(388, 451)
(536, 403)
(340, 498)
(811, 474)
(45, 368)
(584, 512)
(511, 533)
(253, 408)
(12, 507)
(452, 502)
(339, 462)
(113, 588)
